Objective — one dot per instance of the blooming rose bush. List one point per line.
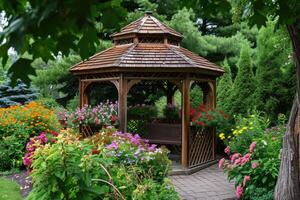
(202, 117)
(108, 165)
(254, 169)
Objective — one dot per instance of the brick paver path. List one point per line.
(207, 184)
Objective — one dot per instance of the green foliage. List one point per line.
(151, 190)
(9, 190)
(146, 112)
(19, 94)
(106, 166)
(48, 103)
(273, 50)
(242, 94)
(43, 29)
(172, 113)
(196, 96)
(192, 40)
(224, 89)
(258, 12)
(54, 79)
(73, 103)
(246, 130)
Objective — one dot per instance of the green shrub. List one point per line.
(172, 113)
(151, 190)
(246, 130)
(146, 112)
(108, 165)
(48, 103)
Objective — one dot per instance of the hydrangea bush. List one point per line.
(108, 165)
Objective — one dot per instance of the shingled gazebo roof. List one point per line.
(147, 44)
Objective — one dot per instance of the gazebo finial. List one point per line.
(148, 13)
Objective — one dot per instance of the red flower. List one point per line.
(202, 107)
(113, 118)
(95, 151)
(200, 123)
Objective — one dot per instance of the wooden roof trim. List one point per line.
(99, 53)
(188, 60)
(118, 61)
(163, 27)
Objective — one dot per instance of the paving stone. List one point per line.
(207, 184)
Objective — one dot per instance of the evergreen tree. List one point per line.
(273, 50)
(20, 94)
(241, 99)
(224, 88)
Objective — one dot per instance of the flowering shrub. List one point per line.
(202, 117)
(253, 168)
(246, 130)
(108, 165)
(172, 113)
(104, 114)
(17, 125)
(35, 142)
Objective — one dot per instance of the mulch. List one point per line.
(24, 180)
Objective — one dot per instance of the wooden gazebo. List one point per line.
(148, 50)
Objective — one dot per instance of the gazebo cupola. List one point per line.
(147, 30)
(148, 51)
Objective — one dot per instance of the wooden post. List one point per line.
(213, 106)
(122, 103)
(185, 122)
(83, 97)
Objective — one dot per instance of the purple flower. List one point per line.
(113, 145)
(152, 147)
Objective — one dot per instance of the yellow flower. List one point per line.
(222, 136)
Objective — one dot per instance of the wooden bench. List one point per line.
(164, 133)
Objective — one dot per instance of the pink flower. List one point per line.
(239, 191)
(254, 165)
(238, 161)
(227, 150)
(97, 121)
(246, 178)
(252, 146)
(42, 137)
(221, 163)
(245, 158)
(26, 160)
(235, 156)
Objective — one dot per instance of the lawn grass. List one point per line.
(9, 190)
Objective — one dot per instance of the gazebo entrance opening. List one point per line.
(147, 63)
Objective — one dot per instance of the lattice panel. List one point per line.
(201, 149)
(137, 126)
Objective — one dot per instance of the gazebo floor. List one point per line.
(177, 169)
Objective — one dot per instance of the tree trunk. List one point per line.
(288, 183)
(287, 187)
